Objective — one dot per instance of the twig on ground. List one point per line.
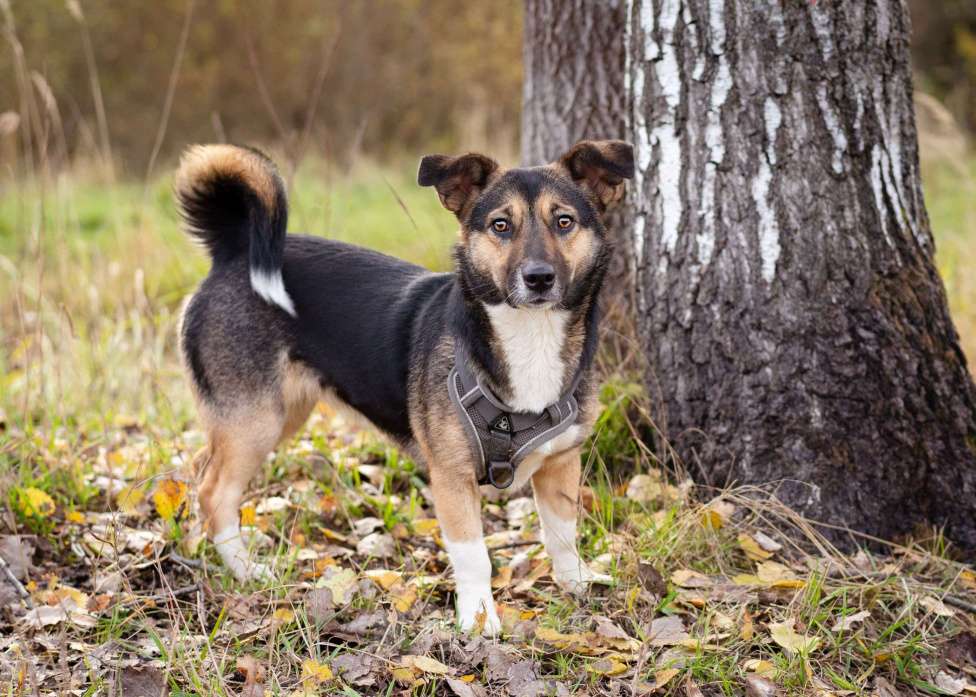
(958, 602)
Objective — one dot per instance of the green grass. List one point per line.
(92, 399)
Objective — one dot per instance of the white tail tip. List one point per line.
(270, 286)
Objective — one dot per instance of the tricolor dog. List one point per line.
(484, 374)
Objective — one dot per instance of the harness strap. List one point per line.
(500, 436)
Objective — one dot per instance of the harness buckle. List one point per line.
(501, 474)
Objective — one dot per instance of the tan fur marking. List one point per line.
(203, 163)
(557, 483)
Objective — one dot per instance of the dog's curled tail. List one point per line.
(233, 200)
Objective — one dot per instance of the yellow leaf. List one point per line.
(425, 526)
(282, 616)
(384, 578)
(467, 678)
(787, 637)
(425, 664)
(169, 497)
(717, 514)
(248, 515)
(315, 672)
(341, 582)
(759, 667)
(663, 677)
(34, 502)
(752, 548)
(968, 578)
(608, 666)
(129, 499)
(584, 644)
(404, 595)
(405, 676)
(75, 517)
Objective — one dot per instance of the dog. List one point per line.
(284, 321)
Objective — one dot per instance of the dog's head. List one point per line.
(532, 237)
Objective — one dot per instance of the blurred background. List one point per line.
(98, 98)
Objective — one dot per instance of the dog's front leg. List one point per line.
(457, 502)
(556, 485)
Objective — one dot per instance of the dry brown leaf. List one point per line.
(686, 578)
(667, 631)
(748, 629)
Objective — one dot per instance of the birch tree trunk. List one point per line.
(573, 59)
(795, 326)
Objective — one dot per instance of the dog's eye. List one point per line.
(500, 226)
(564, 222)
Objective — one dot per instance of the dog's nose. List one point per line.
(538, 276)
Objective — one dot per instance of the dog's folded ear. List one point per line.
(458, 180)
(600, 166)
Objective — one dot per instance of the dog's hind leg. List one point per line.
(238, 445)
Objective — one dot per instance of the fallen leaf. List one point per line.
(845, 624)
(403, 595)
(503, 578)
(282, 616)
(667, 631)
(717, 513)
(607, 666)
(315, 673)
(949, 684)
(760, 667)
(968, 578)
(379, 545)
(758, 686)
(752, 548)
(651, 579)
(786, 636)
(574, 643)
(142, 682)
(937, 607)
(341, 582)
(663, 677)
(424, 664)
(463, 688)
(128, 499)
(384, 578)
(425, 526)
(767, 542)
(644, 488)
(169, 497)
(34, 502)
(686, 578)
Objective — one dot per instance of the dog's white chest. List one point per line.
(532, 344)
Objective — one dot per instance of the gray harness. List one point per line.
(501, 437)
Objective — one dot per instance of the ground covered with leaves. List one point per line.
(109, 587)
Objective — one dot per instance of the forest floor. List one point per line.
(715, 592)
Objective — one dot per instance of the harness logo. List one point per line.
(502, 423)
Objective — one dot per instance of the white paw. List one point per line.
(472, 612)
(578, 578)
